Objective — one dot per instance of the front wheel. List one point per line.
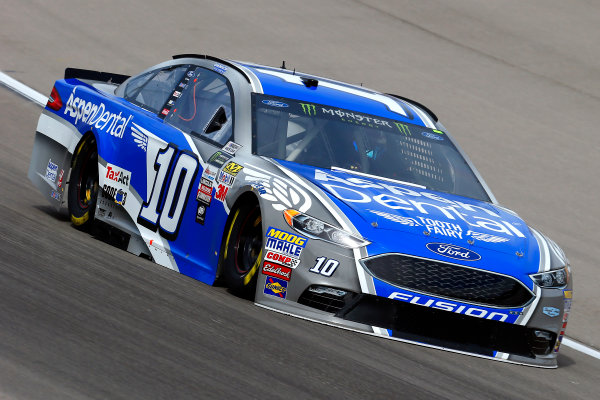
(242, 250)
(83, 184)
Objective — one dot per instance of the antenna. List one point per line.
(294, 73)
(283, 65)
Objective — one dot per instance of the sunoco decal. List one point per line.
(276, 287)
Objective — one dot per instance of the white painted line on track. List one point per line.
(580, 347)
(41, 100)
(23, 90)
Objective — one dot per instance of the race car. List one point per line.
(315, 198)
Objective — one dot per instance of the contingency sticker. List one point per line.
(285, 242)
(231, 147)
(51, 171)
(276, 287)
(277, 271)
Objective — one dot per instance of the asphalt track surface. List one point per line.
(518, 84)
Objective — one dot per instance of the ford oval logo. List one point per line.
(452, 251)
(274, 103)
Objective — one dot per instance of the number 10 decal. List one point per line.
(176, 171)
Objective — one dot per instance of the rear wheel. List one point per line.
(83, 184)
(242, 250)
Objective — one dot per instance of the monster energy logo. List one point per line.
(308, 109)
(403, 129)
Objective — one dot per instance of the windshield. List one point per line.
(330, 137)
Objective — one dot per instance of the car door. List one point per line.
(184, 115)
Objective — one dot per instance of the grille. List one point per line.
(449, 280)
(325, 298)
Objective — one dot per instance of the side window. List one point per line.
(151, 90)
(204, 108)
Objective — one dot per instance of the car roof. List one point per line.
(282, 82)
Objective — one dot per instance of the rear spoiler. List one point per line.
(76, 73)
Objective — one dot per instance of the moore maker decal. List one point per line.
(453, 251)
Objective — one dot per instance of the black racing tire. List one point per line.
(242, 250)
(83, 184)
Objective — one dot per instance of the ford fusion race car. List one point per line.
(318, 199)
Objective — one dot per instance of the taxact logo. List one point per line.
(96, 115)
(118, 175)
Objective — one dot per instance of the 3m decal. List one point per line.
(232, 168)
(281, 258)
(276, 287)
(176, 170)
(221, 192)
(452, 251)
(278, 271)
(51, 171)
(324, 266)
(93, 114)
(231, 147)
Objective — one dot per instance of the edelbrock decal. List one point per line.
(452, 251)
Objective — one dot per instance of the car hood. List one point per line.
(399, 217)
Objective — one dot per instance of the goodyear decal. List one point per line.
(276, 287)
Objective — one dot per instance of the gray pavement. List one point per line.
(518, 83)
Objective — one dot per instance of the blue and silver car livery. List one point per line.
(316, 198)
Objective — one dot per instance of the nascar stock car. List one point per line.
(316, 198)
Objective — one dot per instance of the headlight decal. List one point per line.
(317, 229)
